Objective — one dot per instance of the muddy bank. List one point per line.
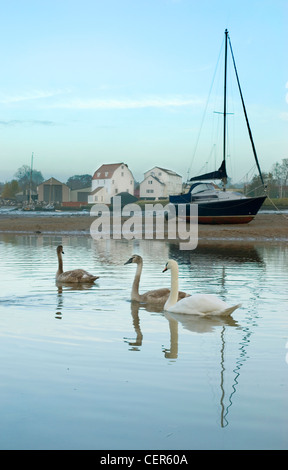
(265, 227)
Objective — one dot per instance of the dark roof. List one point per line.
(108, 168)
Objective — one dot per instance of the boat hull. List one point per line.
(230, 211)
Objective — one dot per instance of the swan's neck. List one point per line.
(60, 264)
(173, 297)
(135, 287)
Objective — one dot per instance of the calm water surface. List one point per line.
(85, 369)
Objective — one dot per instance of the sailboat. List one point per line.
(216, 205)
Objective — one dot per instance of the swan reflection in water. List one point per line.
(135, 307)
(198, 325)
(64, 286)
(207, 325)
(192, 323)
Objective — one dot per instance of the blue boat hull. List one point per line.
(230, 211)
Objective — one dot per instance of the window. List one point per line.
(150, 191)
(202, 187)
(98, 174)
(106, 174)
(122, 173)
(150, 182)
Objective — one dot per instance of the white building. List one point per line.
(159, 183)
(110, 180)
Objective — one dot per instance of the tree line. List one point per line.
(276, 181)
(26, 180)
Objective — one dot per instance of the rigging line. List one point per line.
(204, 113)
(204, 167)
(277, 208)
(253, 189)
(245, 113)
(246, 175)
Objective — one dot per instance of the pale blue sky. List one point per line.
(94, 81)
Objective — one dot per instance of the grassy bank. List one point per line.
(280, 203)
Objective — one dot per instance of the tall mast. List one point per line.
(246, 117)
(225, 85)
(31, 175)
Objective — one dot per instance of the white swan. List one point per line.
(198, 304)
(75, 276)
(157, 296)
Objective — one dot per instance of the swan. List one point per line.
(75, 276)
(157, 296)
(198, 304)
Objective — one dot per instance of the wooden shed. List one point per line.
(53, 191)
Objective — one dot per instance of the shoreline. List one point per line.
(263, 228)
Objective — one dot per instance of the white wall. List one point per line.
(150, 187)
(172, 182)
(122, 180)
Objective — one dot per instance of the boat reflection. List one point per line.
(226, 253)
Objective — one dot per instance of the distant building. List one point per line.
(80, 195)
(53, 191)
(159, 183)
(24, 196)
(110, 180)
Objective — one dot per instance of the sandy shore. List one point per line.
(264, 228)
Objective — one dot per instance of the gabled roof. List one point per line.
(97, 190)
(155, 178)
(106, 170)
(52, 181)
(170, 172)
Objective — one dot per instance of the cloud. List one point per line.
(94, 103)
(154, 102)
(26, 123)
(32, 95)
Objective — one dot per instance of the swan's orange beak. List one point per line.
(165, 269)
